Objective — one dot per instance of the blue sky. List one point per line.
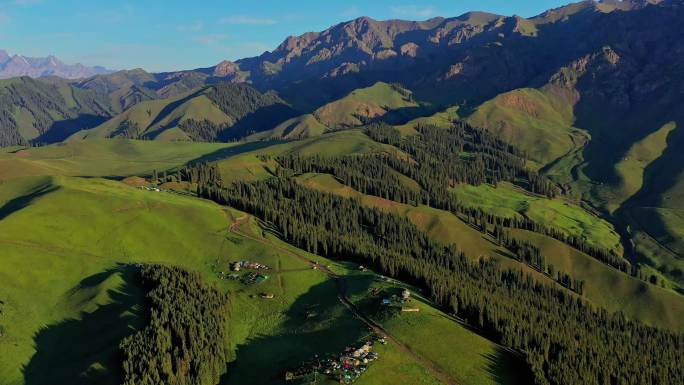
(164, 35)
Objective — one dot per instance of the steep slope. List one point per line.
(31, 110)
(470, 58)
(70, 300)
(537, 121)
(123, 88)
(359, 107)
(221, 112)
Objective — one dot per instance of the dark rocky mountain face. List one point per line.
(18, 65)
(463, 60)
(469, 58)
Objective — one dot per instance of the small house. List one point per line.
(405, 294)
(410, 309)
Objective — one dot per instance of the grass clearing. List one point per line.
(605, 286)
(510, 201)
(371, 102)
(631, 168)
(102, 158)
(536, 121)
(609, 288)
(463, 354)
(242, 163)
(443, 119)
(65, 284)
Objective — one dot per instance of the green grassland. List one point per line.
(439, 224)
(371, 102)
(510, 201)
(66, 242)
(243, 162)
(154, 117)
(610, 288)
(657, 234)
(656, 210)
(339, 143)
(644, 192)
(538, 122)
(106, 157)
(636, 178)
(300, 127)
(352, 110)
(443, 119)
(278, 334)
(467, 357)
(635, 298)
(39, 110)
(94, 225)
(630, 170)
(69, 296)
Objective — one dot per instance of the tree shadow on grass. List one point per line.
(508, 368)
(234, 150)
(316, 324)
(61, 130)
(23, 201)
(85, 351)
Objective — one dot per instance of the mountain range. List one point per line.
(36, 67)
(479, 199)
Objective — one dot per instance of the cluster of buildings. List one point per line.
(147, 188)
(251, 277)
(402, 302)
(237, 266)
(346, 367)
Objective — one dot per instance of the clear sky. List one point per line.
(163, 35)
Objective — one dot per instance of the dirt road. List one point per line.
(433, 368)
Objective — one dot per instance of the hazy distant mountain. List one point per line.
(18, 65)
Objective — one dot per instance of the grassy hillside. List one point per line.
(353, 110)
(69, 296)
(442, 119)
(635, 176)
(630, 170)
(510, 201)
(536, 121)
(32, 110)
(150, 119)
(114, 157)
(634, 297)
(364, 104)
(243, 162)
(46, 268)
(300, 127)
(438, 224)
(643, 190)
(608, 287)
(219, 112)
(435, 335)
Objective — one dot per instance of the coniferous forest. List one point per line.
(183, 342)
(404, 197)
(563, 339)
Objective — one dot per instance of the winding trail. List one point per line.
(429, 365)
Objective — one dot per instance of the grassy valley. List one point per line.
(471, 200)
(94, 284)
